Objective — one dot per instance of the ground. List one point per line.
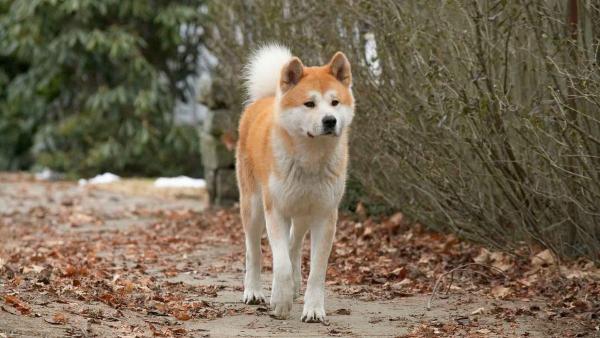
(102, 261)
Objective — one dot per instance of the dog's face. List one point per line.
(316, 102)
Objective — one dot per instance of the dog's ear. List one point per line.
(339, 66)
(291, 74)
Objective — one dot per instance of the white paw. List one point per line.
(253, 296)
(282, 297)
(313, 314)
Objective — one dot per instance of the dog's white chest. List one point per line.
(299, 191)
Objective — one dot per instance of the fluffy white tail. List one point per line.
(263, 70)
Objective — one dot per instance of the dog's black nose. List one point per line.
(329, 122)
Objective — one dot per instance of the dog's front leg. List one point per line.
(321, 240)
(282, 291)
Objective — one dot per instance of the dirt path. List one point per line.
(89, 262)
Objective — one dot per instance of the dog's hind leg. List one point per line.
(297, 234)
(254, 224)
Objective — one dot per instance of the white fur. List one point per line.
(305, 198)
(309, 184)
(262, 72)
(301, 120)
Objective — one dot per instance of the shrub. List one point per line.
(482, 117)
(90, 85)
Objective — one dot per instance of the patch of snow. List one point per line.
(179, 182)
(100, 179)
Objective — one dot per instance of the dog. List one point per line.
(291, 163)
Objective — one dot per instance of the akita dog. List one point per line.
(292, 156)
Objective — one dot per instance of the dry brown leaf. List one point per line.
(400, 272)
(500, 292)
(529, 280)
(368, 231)
(128, 286)
(543, 258)
(34, 268)
(18, 304)
(483, 257)
(361, 211)
(70, 271)
(344, 312)
(397, 218)
(57, 319)
(501, 261)
(478, 311)
(426, 257)
(78, 219)
(182, 315)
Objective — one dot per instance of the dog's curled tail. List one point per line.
(263, 70)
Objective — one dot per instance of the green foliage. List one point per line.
(480, 117)
(90, 85)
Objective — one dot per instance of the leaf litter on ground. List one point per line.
(372, 258)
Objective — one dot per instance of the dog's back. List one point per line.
(254, 157)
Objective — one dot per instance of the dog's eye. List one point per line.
(309, 104)
(335, 103)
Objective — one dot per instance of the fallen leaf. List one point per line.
(57, 319)
(34, 268)
(544, 258)
(182, 315)
(500, 292)
(501, 261)
(426, 257)
(78, 219)
(361, 211)
(483, 257)
(344, 312)
(18, 304)
(399, 272)
(396, 219)
(478, 311)
(463, 320)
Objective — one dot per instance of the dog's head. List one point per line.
(316, 102)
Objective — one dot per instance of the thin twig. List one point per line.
(450, 284)
(451, 272)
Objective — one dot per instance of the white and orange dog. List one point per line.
(291, 168)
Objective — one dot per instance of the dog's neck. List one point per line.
(312, 154)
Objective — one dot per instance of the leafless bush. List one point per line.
(478, 116)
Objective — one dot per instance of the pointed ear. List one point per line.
(340, 68)
(291, 74)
